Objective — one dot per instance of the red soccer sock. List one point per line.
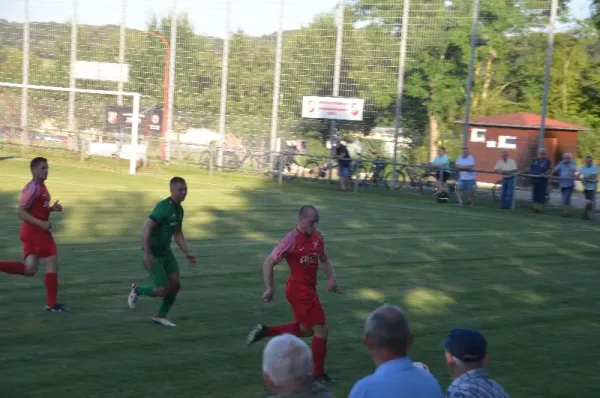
(291, 328)
(12, 267)
(319, 351)
(51, 282)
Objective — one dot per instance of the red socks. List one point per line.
(291, 328)
(12, 267)
(319, 351)
(51, 282)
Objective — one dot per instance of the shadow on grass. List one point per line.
(501, 273)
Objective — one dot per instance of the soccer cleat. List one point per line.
(56, 308)
(325, 379)
(162, 321)
(256, 334)
(133, 296)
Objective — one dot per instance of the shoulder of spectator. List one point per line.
(360, 387)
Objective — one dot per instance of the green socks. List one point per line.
(145, 291)
(167, 302)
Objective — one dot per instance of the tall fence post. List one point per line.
(400, 90)
(549, 52)
(171, 87)
(72, 80)
(336, 77)
(122, 38)
(471, 73)
(25, 80)
(224, 76)
(276, 88)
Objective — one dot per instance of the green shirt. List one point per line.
(314, 391)
(168, 217)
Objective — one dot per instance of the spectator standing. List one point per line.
(566, 170)
(540, 168)
(388, 337)
(507, 167)
(589, 176)
(288, 369)
(442, 169)
(344, 161)
(465, 164)
(466, 356)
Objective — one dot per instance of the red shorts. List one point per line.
(305, 304)
(39, 243)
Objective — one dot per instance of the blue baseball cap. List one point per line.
(468, 345)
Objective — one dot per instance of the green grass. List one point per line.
(529, 282)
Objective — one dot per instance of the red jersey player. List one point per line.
(302, 247)
(36, 238)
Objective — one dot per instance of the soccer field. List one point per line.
(529, 282)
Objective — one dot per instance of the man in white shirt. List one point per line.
(589, 175)
(465, 165)
(507, 167)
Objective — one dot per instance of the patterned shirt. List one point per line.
(475, 384)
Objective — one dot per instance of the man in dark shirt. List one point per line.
(540, 167)
(344, 161)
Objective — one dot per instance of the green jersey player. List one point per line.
(163, 224)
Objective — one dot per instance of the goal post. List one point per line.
(48, 107)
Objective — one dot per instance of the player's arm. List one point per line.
(29, 195)
(329, 271)
(285, 245)
(151, 223)
(182, 244)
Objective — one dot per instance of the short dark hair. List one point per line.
(306, 209)
(388, 328)
(442, 148)
(35, 162)
(176, 180)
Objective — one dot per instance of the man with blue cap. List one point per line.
(466, 356)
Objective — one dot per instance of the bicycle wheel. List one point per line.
(427, 186)
(497, 191)
(313, 170)
(400, 179)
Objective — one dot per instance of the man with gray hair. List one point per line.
(466, 355)
(288, 369)
(388, 337)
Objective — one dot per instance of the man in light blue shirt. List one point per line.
(441, 164)
(566, 180)
(388, 337)
(589, 175)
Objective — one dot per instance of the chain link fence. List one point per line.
(222, 83)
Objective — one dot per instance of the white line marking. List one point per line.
(345, 239)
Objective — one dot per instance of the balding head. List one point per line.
(308, 218)
(387, 329)
(287, 360)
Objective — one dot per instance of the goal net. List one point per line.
(104, 128)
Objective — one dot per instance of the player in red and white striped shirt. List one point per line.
(36, 238)
(303, 248)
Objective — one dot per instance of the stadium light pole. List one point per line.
(171, 89)
(276, 87)
(471, 72)
(25, 79)
(122, 38)
(72, 80)
(336, 77)
(400, 91)
(549, 52)
(165, 90)
(224, 76)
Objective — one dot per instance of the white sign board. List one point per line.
(478, 135)
(332, 108)
(105, 71)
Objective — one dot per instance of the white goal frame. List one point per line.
(135, 117)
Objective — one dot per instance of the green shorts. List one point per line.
(161, 267)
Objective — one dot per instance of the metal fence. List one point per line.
(231, 74)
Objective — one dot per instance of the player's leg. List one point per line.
(29, 266)
(159, 286)
(51, 284)
(172, 271)
(314, 319)
(261, 331)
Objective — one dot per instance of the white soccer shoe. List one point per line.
(133, 296)
(162, 321)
